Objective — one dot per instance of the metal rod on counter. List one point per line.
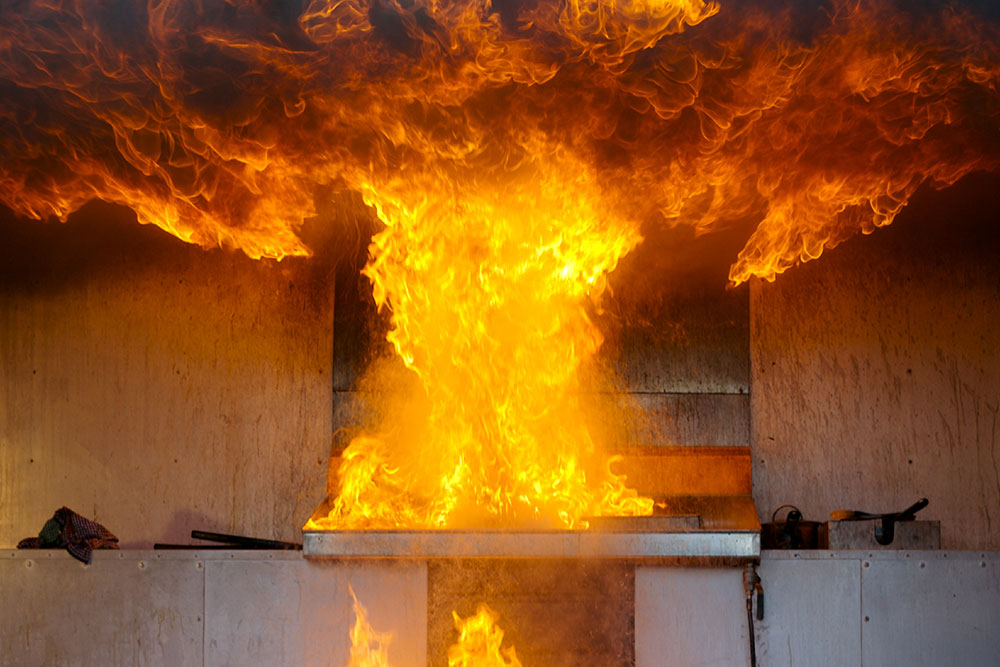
(243, 542)
(192, 547)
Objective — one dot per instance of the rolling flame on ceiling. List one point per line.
(513, 150)
(219, 122)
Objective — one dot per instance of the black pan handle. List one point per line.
(243, 542)
(910, 512)
(774, 516)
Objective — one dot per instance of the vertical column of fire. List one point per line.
(488, 284)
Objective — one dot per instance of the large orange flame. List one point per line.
(487, 290)
(220, 124)
(512, 150)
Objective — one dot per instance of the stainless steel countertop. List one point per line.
(635, 545)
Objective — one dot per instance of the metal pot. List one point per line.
(792, 533)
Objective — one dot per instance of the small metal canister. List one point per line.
(792, 533)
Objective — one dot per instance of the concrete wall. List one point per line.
(157, 387)
(876, 371)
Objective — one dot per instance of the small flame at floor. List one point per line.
(368, 647)
(479, 641)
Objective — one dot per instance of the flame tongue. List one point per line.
(487, 289)
(478, 645)
(368, 647)
(479, 640)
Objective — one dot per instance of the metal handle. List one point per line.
(910, 512)
(774, 515)
(241, 541)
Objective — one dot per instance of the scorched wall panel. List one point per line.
(876, 371)
(158, 387)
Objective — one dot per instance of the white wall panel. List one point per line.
(931, 608)
(298, 612)
(276, 608)
(123, 609)
(811, 613)
(690, 617)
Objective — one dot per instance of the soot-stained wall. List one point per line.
(156, 386)
(875, 371)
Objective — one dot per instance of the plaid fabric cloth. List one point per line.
(78, 534)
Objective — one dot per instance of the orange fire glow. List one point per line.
(221, 123)
(479, 642)
(478, 645)
(513, 152)
(368, 647)
(487, 290)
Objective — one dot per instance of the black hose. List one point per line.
(751, 582)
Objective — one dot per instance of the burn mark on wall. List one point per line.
(876, 371)
(166, 387)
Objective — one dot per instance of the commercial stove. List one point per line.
(703, 510)
(576, 597)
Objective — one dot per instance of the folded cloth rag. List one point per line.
(78, 534)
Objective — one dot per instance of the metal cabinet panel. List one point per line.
(931, 608)
(122, 609)
(811, 614)
(296, 612)
(690, 617)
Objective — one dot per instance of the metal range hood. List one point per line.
(703, 510)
